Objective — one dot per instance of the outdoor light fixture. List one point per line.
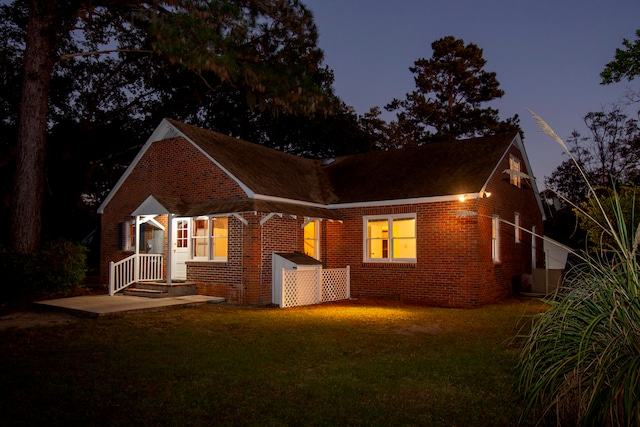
(486, 194)
(461, 197)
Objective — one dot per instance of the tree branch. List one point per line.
(100, 52)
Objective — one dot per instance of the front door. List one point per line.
(180, 245)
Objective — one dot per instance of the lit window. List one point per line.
(495, 239)
(200, 238)
(514, 169)
(209, 245)
(311, 240)
(517, 231)
(130, 239)
(220, 238)
(390, 238)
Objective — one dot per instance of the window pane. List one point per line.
(404, 228)
(378, 248)
(378, 239)
(311, 239)
(132, 235)
(200, 227)
(220, 247)
(183, 227)
(310, 247)
(378, 228)
(404, 248)
(201, 238)
(310, 230)
(220, 227)
(219, 234)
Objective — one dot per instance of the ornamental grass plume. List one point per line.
(580, 363)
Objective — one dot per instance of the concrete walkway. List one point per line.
(104, 305)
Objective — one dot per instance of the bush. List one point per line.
(59, 266)
(581, 361)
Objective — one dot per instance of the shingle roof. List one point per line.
(437, 169)
(264, 170)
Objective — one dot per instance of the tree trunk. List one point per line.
(28, 190)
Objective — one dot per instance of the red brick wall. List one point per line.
(171, 168)
(454, 264)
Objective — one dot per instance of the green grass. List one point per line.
(335, 364)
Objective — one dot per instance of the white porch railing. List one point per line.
(136, 268)
(313, 286)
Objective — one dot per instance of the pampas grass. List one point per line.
(580, 364)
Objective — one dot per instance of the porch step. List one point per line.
(148, 293)
(161, 290)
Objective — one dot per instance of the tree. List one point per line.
(609, 155)
(592, 218)
(451, 88)
(267, 49)
(626, 64)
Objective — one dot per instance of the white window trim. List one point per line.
(495, 239)
(517, 231)
(390, 218)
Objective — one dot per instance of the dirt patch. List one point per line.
(31, 318)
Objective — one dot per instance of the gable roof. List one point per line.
(443, 169)
(437, 169)
(263, 170)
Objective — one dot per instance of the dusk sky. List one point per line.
(547, 55)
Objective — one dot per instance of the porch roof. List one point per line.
(157, 205)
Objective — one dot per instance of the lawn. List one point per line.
(335, 364)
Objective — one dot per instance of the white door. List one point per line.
(181, 240)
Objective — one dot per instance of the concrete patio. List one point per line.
(105, 305)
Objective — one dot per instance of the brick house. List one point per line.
(444, 224)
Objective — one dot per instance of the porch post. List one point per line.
(136, 260)
(169, 246)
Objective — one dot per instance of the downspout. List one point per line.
(261, 260)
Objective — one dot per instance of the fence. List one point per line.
(313, 286)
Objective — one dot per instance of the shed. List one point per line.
(289, 261)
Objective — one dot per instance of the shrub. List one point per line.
(581, 361)
(58, 266)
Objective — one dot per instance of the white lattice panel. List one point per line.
(313, 286)
(335, 284)
(300, 287)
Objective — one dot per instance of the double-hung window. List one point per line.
(390, 238)
(209, 239)
(311, 239)
(514, 171)
(130, 235)
(495, 239)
